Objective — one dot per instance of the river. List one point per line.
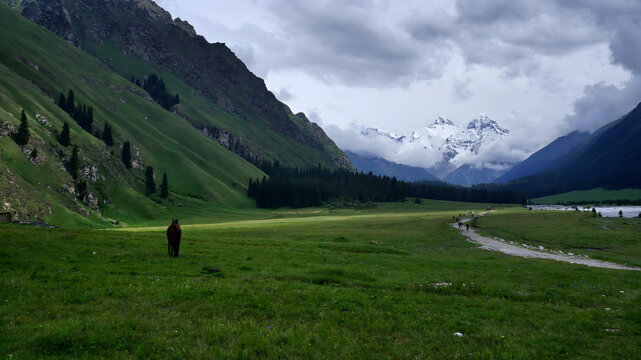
(606, 211)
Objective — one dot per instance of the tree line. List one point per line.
(295, 187)
(157, 89)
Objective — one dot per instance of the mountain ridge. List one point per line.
(544, 158)
(380, 166)
(608, 158)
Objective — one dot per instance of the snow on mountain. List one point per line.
(456, 145)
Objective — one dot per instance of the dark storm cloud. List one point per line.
(349, 44)
(508, 33)
(625, 45)
(512, 35)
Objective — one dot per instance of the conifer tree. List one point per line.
(149, 180)
(71, 106)
(89, 119)
(62, 102)
(164, 189)
(126, 154)
(22, 136)
(64, 139)
(107, 137)
(74, 163)
(81, 189)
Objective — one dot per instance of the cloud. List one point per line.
(510, 34)
(602, 104)
(396, 64)
(284, 95)
(353, 46)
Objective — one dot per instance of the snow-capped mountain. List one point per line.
(451, 145)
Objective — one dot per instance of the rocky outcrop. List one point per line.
(237, 145)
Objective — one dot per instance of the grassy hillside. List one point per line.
(216, 87)
(597, 195)
(387, 285)
(35, 66)
(198, 110)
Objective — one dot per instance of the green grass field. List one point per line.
(612, 239)
(599, 194)
(391, 282)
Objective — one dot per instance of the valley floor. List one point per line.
(398, 282)
(510, 247)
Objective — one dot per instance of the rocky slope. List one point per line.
(140, 28)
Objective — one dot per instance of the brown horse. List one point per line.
(174, 232)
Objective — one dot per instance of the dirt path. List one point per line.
(515, 250)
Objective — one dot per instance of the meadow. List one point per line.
(610, 239)
(392, 282)
(582, 196)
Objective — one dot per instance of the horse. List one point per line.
(460, 224)
(174, 232)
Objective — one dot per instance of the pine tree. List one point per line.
(149, 180)
(81, 189)
(164, 189)
(71, 106)
(22, 136)
(126, 154)
(107, 137)
(74, 163)
(62, 102)
(89, 119)
(64, 139)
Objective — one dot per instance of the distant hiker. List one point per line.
(467, 227)
(458, 219)
(453, 217)
(460, 224)
(174, 232)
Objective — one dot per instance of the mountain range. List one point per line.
(452, 149)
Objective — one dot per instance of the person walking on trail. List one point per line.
(467, 227)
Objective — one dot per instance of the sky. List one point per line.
(539, 68)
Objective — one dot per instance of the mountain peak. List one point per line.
(483, 122)
(441, 121)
